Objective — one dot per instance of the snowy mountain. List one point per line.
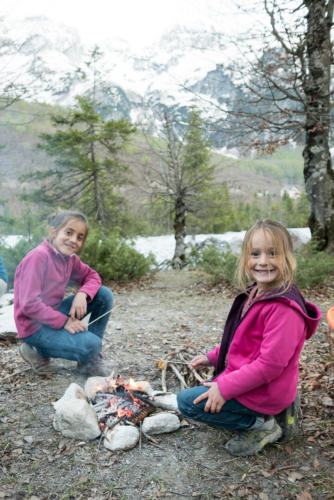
(184, 69)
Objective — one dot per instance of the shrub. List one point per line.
(313, 268)
(13, 255)
(219, 264)
(115, 259)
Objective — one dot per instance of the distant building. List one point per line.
(292, 191)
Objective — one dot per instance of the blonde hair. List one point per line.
(283, 247)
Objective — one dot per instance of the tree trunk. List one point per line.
(179, 225)
(318, 172)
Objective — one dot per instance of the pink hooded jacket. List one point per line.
(39, 287)
(263, 357)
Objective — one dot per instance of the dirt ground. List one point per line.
(174, 310)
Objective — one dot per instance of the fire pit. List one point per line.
(116, 410)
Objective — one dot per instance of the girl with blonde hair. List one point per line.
(257, 362)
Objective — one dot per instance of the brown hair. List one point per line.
(283, 247)
(59, 220)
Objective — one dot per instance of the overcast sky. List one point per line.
(138, 21)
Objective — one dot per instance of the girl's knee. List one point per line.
(106, 295)
(184, 400)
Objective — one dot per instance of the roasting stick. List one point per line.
(104, 314)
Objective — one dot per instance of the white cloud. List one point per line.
(140, 22)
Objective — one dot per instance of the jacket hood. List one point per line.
(310, 312)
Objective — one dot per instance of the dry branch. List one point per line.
(184, 385)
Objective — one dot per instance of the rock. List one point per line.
(94, 384)
(74, 391)
(166, 402)
(161, 423)
(121, 437)
(74, 417)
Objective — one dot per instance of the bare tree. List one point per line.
(289, 99)
(181, 176)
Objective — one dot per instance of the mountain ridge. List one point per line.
(184, 69)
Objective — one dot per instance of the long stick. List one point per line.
(91, 322)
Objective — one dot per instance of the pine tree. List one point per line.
(88, 170)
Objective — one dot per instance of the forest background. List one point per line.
(131, 182)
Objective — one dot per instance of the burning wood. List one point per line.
(120, 402)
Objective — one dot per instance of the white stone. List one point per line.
(121, 437)
(161, 423)
(76, 419)
(166, 402)
(94, 384)
(74, 391)
(74, 416)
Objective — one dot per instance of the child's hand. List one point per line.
(74, 326)
(199, 362)
(79, 306)
(215, 400)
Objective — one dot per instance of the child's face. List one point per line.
(69, 239)
(262, 264)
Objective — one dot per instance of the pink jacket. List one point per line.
(39, 287)
(263, 358)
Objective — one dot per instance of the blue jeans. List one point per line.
(81, 346)
(233, 415)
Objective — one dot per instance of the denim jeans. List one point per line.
(81, 346)
(233, 415)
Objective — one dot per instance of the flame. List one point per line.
(124, 413)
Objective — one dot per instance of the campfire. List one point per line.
(121, 402)
(117, 411)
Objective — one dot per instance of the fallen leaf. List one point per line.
(294, 476)
(327, 401)
(160, 364)
(316, 464)
(304, 495)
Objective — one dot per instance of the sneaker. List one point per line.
(250, 442)
(38, 363)
(289, 420)
(94, 367)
